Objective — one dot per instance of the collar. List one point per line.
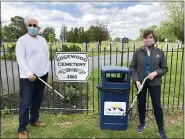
(144, 49)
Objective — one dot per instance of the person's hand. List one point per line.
(152, 75)
(32, 77)
(138, 84)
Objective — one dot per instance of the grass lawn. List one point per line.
(87, 126)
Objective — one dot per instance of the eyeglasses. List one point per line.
(32, 25)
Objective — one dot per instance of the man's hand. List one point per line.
(138, 84)
(32, 77)
(152, 75)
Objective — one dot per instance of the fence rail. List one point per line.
(85, 94)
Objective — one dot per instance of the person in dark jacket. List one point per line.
(149, 61)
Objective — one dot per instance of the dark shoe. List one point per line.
(140, 128)
(39, 124)
(23, 135)
(162, 135)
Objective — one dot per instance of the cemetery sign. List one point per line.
(72, 66)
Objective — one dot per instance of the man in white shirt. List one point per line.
(33, 58)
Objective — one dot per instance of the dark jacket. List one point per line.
(157, 63)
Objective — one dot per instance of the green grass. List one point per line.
(87, 126)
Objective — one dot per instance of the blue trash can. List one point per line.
(114, 97)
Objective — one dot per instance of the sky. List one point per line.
(124, 19)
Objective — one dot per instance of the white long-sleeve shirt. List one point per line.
(32, 56)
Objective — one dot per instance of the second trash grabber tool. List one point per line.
(54, 90)
(140, 89)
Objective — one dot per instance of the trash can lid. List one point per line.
(115, 69)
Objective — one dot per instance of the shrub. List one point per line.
(74, 48)
(70, 92)
(9, 56)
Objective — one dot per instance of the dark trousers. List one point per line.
(155, 93)
(31, 94)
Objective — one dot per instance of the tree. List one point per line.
(70, 36)
(2, 34)
(47, 31)
(19, 26)
(109, 39)
(101, 32)
(98, 33)
(167, 31)
(15, 29)
(9, 33)
(117, 39)
(91, 33)
(80, 32)
(173, 27)
(175, 13)
(51, 38)
(76, 36)
(85, 37)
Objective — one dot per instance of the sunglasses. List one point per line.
(32, 25)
